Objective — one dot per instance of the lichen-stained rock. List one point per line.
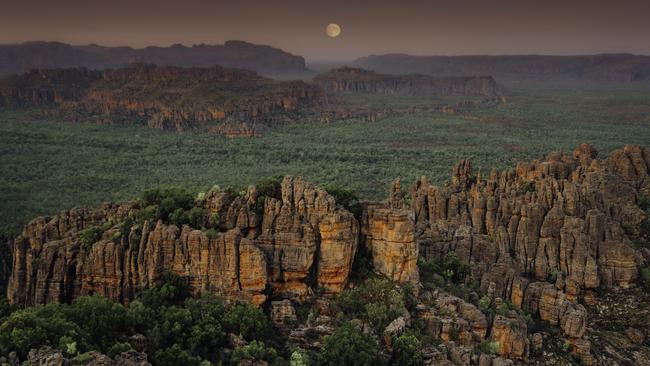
(562, 215)
(511, 333)
(390, 239)
(339, 236)
(283, 313)
(304, 221)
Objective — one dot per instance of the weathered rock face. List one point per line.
(544, 236)
(297, 241)
(283, 313)
(391, 242)
(511, 333)
(353, 80)
(4, 269)
(228, 101)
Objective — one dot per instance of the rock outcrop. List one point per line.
(542, 243)
(295, 242)
(353, 80)
(228, 101)
(545, 235)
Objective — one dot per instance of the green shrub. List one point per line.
(34, 327)
(453, 269)
(528, 187)
(345, 197)
(255, 351)
(408, 295)
(375, 300)
(90, 236)
(195, 217)
(117, 349)
(644, 277)
(82, 358)
(167, 201)
(247, 321)
(406, 351)
(170, 289)
(348, 345)
(643, 202)
(298, 358)
(213, 221)
(485, 303)
(490, 348)
(211, 233)
(554, 275)
(100, 321)
(174, 356)
(269, 186)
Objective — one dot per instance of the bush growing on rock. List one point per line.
(406, 351)
(255, 351)
(247, 321)
(345, 197)
(348, 345)
(376, 300)
(90, 236)
(34, 327)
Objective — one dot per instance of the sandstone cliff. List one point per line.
(548, 239)
(296, 242)
(353, 80)
(546, 236)
(228, 101)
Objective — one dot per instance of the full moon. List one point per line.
(333, 30)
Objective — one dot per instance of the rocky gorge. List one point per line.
(521, 259)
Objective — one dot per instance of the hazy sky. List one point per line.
(440, 27)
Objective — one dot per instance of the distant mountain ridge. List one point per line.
(355, 80)
(267, 60)
(602, 67)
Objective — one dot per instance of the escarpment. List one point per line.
(354, 80)
(541, 244)
(284, 244)
(227, 101)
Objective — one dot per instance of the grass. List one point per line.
(47, 166)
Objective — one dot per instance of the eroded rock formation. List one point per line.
(545, 235)
(296, 242)
(542, 241)
(228, 101)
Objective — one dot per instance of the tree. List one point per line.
(207, 334)
(35, 327)
(248, 321)
(173, 356)
(348, 345)
(170, 289)
(255, 351)
(100, 321)
(406, 351)
(345, 197)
